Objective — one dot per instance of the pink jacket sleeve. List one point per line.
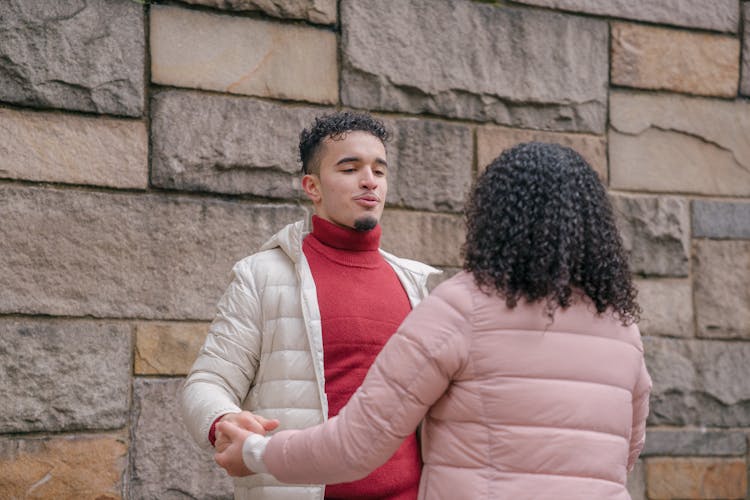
(412, 372)
(640, 412)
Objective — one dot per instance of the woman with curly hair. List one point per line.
(526, 369)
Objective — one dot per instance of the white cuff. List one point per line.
(252, 452)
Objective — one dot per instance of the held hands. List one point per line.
(231, 432)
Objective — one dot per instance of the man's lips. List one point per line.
(368, 200)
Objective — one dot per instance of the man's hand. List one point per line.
(244, 420)
(230, 458)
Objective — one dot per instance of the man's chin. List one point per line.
(366, 223)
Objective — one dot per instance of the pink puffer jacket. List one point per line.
(514, 406)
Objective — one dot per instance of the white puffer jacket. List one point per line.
(264, 350)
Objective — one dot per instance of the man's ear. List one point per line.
(311, 186)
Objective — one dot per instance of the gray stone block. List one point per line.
(86, 56)
(125, 255)
(716, 219)
(699, 382)
(166, 463)
(655, 231)
(223, 144)
(475, 61)
(667, 307)
(745, 81)
(315, 11)
(434, 239)
(430, 164)
(694, 443)
(62, 375)
(722, 296)
(719, 15)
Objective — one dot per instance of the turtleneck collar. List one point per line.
(343, 238)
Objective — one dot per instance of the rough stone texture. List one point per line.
(718, 15)
(696, 478)
(715, 219)
(481, 62)
(316, 11)
(745, 82)
(86, 56)
(429, 164)
(722, 293)
(148, 256)
(491, 141)
(668, 143)
(63, 467)
(224, 144)
(242, 56)
(699, 382)
(666, 59)
(637, 482)
(74, 149)
(656, 233)
(167, 348)
(667, 307)
(166, 462)
(434, 239)
(685, 442)
(63, 375)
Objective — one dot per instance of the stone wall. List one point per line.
(145, 148)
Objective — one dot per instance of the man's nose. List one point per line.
(367, 180)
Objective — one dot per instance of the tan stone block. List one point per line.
(57, 147)
(434, 239)
(167, 348)
(242, 55)
(76, 467)
(722, 294)
(669, 143)
(667, 307)
(668, 59)
(491, 141)
(696, 478)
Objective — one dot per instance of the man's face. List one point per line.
(350, 188)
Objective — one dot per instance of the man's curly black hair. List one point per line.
(540, 226)
(335, 126)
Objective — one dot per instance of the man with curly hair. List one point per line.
(304, 318)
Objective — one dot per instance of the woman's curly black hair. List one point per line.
(335, 126)
(540, 225)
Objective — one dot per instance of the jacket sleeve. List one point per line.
(221, 376)
(640, 413)
(411, 373)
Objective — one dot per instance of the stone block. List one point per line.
(696, 478)
(167, 348)
(73, 149)
(63, 467)
(653, 58)
(698, 382)
(63, 375)
(518, 67)
(670, 143)
(722, 295)
(694, 443)
(655, 232)
(239, 55)
(434, 239)
(491, 141)
(716, 219)
(315, 11)
(125, 255)
(224, 144)
(718, 15)
(637, 482)
(667, 307)
(165, 460)
(85, 56)
(429, 164)
(745, 82)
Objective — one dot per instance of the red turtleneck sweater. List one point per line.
(362, 303)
